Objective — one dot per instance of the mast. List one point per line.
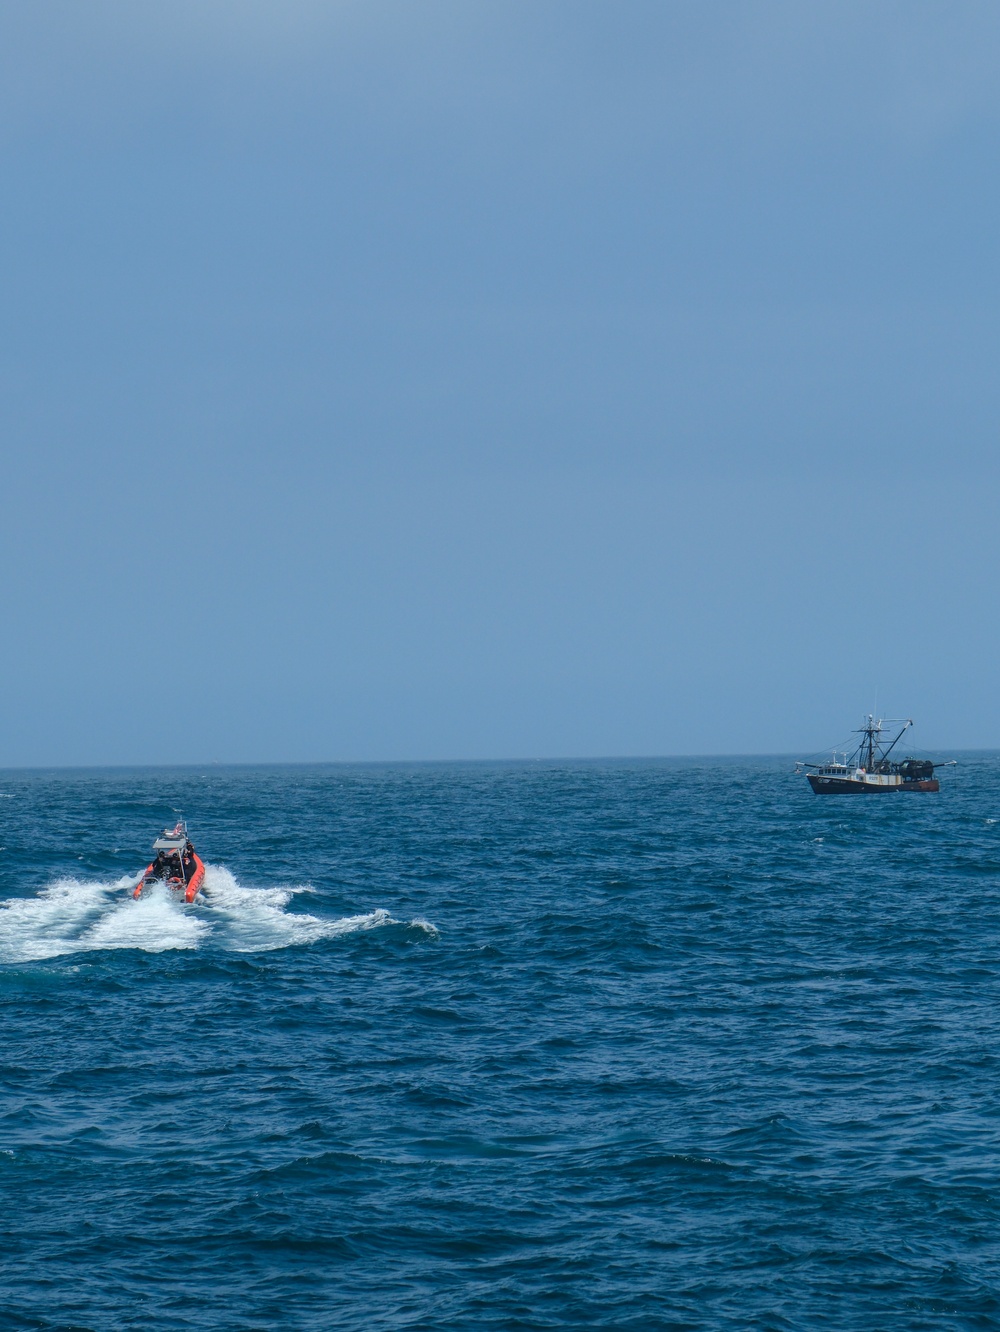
(870, 746)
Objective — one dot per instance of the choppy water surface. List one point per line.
(643, 1045)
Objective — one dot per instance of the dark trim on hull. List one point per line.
(842, 786)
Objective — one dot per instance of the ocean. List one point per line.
(640, 1044)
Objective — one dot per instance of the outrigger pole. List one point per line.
(906, 727)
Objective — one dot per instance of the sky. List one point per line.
(496, 379)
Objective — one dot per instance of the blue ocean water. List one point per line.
(668, 1044)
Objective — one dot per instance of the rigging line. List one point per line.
(845, 746)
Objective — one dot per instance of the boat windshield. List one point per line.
(170, 844)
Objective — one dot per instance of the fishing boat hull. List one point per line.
(848, 785)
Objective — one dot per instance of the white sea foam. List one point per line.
(50, 923)
(154, 923)
(73, 916)
(256, 919)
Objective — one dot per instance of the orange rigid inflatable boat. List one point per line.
(177, 864)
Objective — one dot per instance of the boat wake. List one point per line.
(75, 916)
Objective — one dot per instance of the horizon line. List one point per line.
(422, 762)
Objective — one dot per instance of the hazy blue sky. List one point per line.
(478, 378)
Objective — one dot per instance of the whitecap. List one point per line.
(418, 923)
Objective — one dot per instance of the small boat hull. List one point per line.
(190, 888)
